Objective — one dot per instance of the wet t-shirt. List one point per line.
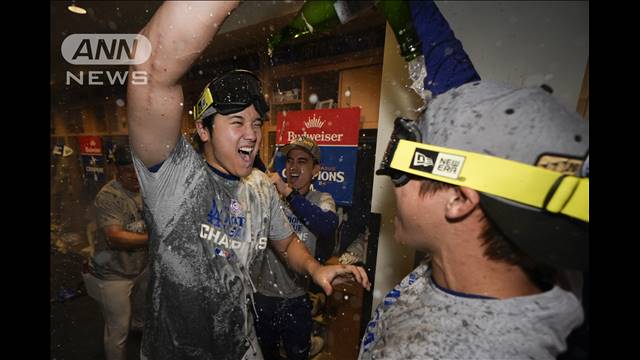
(206, 228)
(116, 205)
(419, 320)
(272, 276)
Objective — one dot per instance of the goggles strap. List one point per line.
(203, 105)
(552, 191)
(527, 184)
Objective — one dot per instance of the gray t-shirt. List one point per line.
(116, 205)
(418, 320)
(272, 276)
(206, 231)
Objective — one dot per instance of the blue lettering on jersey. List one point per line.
(295, 223)
(233, 223)
(412, 278)
(368, 339)
(214, 216)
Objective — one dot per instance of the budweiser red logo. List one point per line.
(335, 127)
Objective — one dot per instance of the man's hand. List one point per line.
(283, 187)
(327, 275)
(332, 261)
(296, 255)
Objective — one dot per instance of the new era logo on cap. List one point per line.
(437, 163)
(420, 159)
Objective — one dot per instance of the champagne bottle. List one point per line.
(398, 16)
(318, 15)
(321, 15)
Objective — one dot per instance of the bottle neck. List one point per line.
(317, 16)
(398, 15)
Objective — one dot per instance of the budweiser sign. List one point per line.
(90, 145)
(325, 126)
(336, 132)
(314, 122)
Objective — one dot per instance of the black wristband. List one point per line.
(291, 195)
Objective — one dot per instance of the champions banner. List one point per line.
(92, 158)
(336, 132)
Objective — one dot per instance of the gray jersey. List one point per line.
(418, 320)
(272, 276)
(116, 205)
(206, 231)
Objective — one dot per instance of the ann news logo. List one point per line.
(106, 49)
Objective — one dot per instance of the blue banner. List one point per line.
(337, 172)
(93, 166)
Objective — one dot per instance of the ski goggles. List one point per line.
(230, 93)
(406, 157)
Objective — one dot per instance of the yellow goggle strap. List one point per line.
(204, 102)
(527, 184)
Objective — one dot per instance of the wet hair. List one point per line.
(497, 246)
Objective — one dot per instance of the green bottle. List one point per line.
(398, 16)
(321, 15)
(318, 15)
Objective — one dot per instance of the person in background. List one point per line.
(284, 308)
(117, 274)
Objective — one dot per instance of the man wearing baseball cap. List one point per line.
(284, 309)
(497, 227)
(211, 216)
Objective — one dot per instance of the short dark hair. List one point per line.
(122, 156)
(497, 246)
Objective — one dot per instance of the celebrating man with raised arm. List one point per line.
(210, 218)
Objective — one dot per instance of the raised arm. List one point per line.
(178, 32)
(448, 65)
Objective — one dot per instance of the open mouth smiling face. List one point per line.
(300, 169)
(236, 141)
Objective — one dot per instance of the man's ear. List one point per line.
(461, 203)
(315, 171)
(203, 132)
